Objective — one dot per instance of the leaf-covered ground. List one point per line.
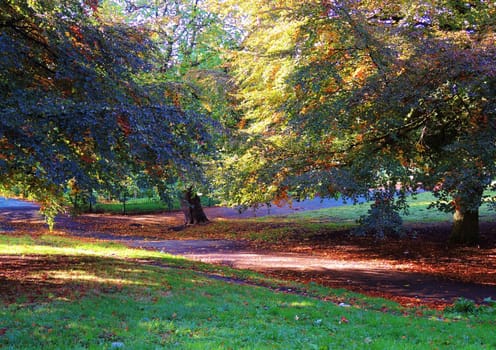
(428, 263)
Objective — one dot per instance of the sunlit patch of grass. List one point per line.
(307, 223)
(342, 216)
(58, 245)
(85, 276)
(272, 234)
(302, 304)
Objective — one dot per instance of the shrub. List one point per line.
(382, 218)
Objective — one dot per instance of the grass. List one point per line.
(133, 206)
(341, 216)
(143, 205)
(63, 293)
(346, 216)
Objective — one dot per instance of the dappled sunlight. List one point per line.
(302, 304)
(286, 108)
(22, 216)
(354, 266)
(64, 246)
(68, 277)
(223, 219)
(309, 247)
(170, 218)
(39, 249)
(85, 276)
(286, 261)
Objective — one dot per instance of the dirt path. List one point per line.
(372, 276)
(376, 277)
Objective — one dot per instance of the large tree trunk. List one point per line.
(465, 228)
(192, 208)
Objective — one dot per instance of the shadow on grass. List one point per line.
(37, 278)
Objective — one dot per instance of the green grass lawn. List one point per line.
(143, 205)
(62, 293)
(134, 206)
(347, 215)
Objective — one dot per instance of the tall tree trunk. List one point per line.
(192, 208)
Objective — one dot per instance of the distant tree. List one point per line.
(191, 73)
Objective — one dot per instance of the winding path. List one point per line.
(378, 278)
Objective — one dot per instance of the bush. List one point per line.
(382, 218)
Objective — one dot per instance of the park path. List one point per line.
(375, 277)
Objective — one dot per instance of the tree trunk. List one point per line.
(465, 228)
(192, 208)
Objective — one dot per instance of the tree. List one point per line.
(361, 95)
(442, 124)
(75, 108)
(191, 75)
(261, 65)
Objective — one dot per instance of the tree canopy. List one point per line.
(353, 96)
(373, 98)
(74, 106)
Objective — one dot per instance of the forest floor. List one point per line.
(419, 269)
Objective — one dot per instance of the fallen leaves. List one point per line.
(31, 278)
(426, 253)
